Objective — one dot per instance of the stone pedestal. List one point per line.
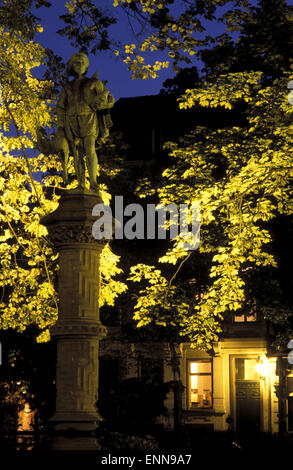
(78, 329)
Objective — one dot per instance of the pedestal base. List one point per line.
(75, 431)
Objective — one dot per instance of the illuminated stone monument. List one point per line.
(83, 118)
(78, 329)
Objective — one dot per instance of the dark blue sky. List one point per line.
(109, 67)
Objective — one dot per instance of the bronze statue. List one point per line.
(83, 117)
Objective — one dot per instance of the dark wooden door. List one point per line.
(247, 390)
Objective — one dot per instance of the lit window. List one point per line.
(245, 318)
(200, 384)
(246, 369)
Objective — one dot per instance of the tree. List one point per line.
(30, 186)
(253, 54)
(28, 261)
(168, 30)
(185, 78)
(16, 15)
(258, 38)
(206, 158)
(241, 177)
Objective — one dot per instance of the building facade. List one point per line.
(237, 388)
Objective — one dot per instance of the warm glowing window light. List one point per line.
(246, 368)
(200, 384)
(249, 369)
(244, 318)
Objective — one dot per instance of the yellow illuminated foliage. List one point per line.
(173, 31)
(254, 187)
(28, 263)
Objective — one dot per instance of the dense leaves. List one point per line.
(16, 15)
(258, 38)
(164, 31)
(30, 188)
(240, 175)
(255, 186)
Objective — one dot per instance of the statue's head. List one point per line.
(78, 64)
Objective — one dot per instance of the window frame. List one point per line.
(190, 407)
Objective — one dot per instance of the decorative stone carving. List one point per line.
(74, 233)
(75, 329)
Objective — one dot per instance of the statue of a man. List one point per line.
(83, 117)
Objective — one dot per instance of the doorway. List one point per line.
(246, 396)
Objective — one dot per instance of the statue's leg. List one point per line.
(81, 163)
(78, 164)
(64, 156)
(91, 160)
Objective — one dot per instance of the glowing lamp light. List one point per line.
(262, 367)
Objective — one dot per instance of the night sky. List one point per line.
(108, 66)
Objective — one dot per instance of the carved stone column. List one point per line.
(78, 329)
